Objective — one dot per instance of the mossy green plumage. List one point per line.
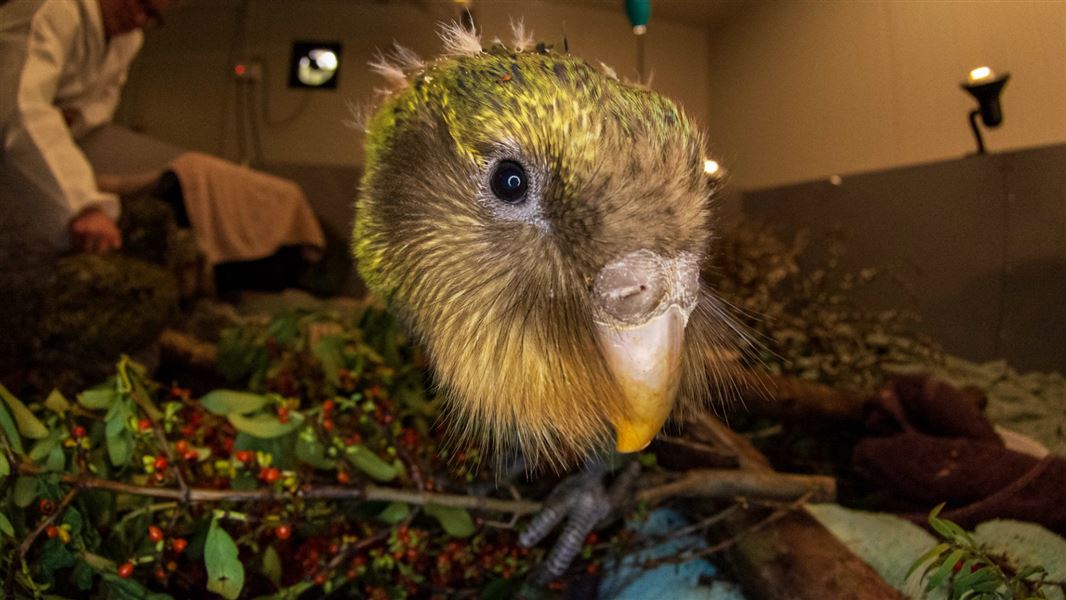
(500, 294)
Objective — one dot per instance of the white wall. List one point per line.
(801, 90)
(182, 91)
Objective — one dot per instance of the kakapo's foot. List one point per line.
(586, 504)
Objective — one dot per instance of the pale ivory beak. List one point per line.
(645, 361)
(646, 300)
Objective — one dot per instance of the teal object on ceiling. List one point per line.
(639, 12)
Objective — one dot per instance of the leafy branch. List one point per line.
(969, 572)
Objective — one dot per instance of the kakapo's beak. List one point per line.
(647, 300)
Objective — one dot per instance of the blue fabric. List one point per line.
(627, 580)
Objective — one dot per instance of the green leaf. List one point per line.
(928, 556)
(328, 353)
(98, 398)
(369, 463)
(10, 431)
(228, 402)
(43, 448)
(72, 518)
(54, 556)
(5, 467)
(25, 491)
(272, 565)
(501, 589)
(124, 589)
(312, 452)
(5, 526)
(83, 576)
(945, 569)
(97, 562)
(57, 461)
(966, 581)
(455, 521)
(394, 513)
(290, 593)
(28, 424)
(118, 436)
(265, 426)
(225, 573)
(950, 531)
(57, 403)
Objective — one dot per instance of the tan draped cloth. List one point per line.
(241, 214)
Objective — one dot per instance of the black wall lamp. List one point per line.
(985, 86)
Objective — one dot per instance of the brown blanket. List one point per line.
(936, 445)
(239, 214)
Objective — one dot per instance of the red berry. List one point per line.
(957, 567)
(52, 531)
(282, 532)
(161, 463)
(270, 474)
(327, 406)
(245, 456)
(78, 432)
(320, 579)
(178, 545)
(327, 424)
(190, 455)
(159, 477)
(160, 574)
(125, 570)
(155, 534)
(343, 478)
(46, 506)
(182, 446)
(144, 424)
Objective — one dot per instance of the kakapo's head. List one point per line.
(541, 225)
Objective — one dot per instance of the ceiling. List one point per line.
(705, 13)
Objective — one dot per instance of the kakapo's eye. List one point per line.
(509, 182)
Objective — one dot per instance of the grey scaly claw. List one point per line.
(586, 504)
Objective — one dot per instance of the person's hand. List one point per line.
(95, 232)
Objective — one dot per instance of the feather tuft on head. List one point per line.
(391, 71)
(397, 65)
(360, 116)
(609, 71)
(459, 41)
(522, 40)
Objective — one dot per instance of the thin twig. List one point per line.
(27, 543)
(370, 492)
(730, 542)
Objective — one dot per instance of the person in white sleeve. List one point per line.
(62, 67)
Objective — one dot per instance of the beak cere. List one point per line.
(646, 301)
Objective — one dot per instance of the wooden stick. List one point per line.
(791, 557)
(714, 483)
(778, 396)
